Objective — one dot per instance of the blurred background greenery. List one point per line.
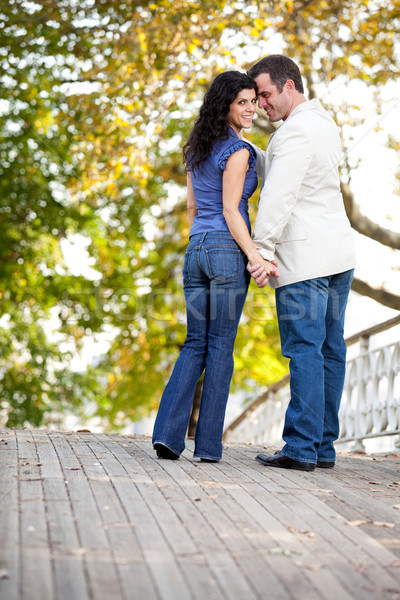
(97, 99)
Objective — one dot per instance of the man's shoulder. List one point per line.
(309, 119)
(309, 112)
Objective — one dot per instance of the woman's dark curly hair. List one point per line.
(211, 125)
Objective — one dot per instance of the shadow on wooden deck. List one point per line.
(100, 517)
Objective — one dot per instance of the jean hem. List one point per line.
(167, 446)
(300, 458)
(207, 456)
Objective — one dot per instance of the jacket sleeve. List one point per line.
(291, 154)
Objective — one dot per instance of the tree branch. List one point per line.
(379, 294)
(363, 225)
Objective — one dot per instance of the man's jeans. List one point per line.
(311, 322)
(215, 284)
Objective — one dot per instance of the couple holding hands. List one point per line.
(301, 246)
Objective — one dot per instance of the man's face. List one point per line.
(278, 105)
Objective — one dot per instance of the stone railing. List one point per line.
(370, 405)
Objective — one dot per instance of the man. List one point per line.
(301, 223)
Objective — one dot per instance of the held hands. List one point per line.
(262, 273)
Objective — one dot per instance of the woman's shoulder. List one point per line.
(225, 148)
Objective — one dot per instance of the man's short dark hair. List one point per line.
(280, 69)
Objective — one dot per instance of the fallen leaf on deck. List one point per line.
(306, 566)
(83, 431)
(72, 468)
(376, 523)
(78, 551)
(395, 563)
(4, 574)
(309, 534)
(396, 505)
(283, 551)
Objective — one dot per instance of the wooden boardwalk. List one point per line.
(95, 516)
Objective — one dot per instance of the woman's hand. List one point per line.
(261, 270)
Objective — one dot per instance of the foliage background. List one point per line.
(97, 99)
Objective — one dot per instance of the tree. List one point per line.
(99, 100)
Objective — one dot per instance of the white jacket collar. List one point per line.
(307, 105)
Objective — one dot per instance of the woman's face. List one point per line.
(242, 109)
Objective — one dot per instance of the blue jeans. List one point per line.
(215, 283)
(311, 323)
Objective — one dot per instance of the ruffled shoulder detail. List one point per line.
(234, 147)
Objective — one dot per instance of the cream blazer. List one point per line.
(301, 221)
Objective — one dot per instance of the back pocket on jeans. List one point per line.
(224, 264)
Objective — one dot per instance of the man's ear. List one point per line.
(290, 87)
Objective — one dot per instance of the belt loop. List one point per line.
(203, 238)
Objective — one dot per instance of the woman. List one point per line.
(220, 179)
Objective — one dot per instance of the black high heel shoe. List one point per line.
(164, 452)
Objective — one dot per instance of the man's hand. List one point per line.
(260, 275)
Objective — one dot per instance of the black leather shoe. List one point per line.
(209, 460)
(325, 464)
(164, 452)
(284, 462)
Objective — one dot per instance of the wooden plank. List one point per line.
(369, 498)
(159, 558)
(357, 548)
(68, 554)
(36, 566)
(134, 573)
(295, 551)
(10, 568)
(104, 581)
